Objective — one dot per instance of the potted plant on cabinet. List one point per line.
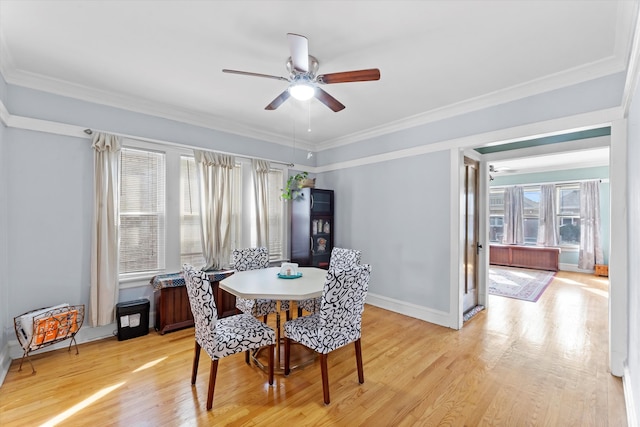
(294, 184)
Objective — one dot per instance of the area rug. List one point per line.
(519, 283)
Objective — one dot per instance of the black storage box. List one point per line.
(132, 318)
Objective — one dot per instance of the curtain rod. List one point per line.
(529, 184)
(176, 144)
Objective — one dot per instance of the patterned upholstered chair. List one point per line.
(253, 259)
(340, 258)
(338, 323)
(221, 337)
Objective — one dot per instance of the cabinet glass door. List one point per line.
(320, 203)
(321, 239)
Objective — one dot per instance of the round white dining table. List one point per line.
(264, 283)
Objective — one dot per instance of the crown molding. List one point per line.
(534, 130)
(128, 103)
(574, 76)
(577, 75)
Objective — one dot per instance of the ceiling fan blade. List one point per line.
(299, 47)
(246, 73)
(329, 100)
(278, 101)
(350, 76)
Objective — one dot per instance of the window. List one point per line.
(236, 208)
(190, 239)
(276, 213)
(568, 214)
(496, 215)
(142, 212)
(160, 211)
(276, 216)
(531, 214)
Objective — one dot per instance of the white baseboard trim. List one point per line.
(632, 417)
(412, 310)
(86, 334)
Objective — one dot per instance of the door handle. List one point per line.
(478, 247)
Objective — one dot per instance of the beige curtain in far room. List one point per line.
(590, 239)
(513, 216)
(260, 172)
(547, 223)
(215, 179)
(105, 235)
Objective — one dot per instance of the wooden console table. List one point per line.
(172, 302)
(535, 257)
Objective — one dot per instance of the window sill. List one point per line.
(136, 281)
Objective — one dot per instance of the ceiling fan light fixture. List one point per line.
(302, 91)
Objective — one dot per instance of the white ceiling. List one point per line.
(436, 57)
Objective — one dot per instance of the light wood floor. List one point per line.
(516, 364)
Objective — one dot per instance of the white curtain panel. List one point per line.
(590, 239)
(105, 234)
(215, 180)
(260, 173)
(513, 216)
(547, 223)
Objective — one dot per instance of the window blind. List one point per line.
(142, 211)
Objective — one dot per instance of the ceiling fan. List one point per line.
(304, 80)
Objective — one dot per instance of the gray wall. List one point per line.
(5, 317)
(397, 213)
(633, 222)
(50, 211)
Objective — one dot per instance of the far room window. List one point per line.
(496, 215)
(568, 214)
(531, 214)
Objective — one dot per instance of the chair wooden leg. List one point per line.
(272, 348)
(212, 383)
(264, 318)
(287, 355)
(288, 315)
(325, 377)
(359, 361)
(247, 357)
(196, 360)
(299, 312)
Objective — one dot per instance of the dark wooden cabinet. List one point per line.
(312, 228)
(173, 310)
